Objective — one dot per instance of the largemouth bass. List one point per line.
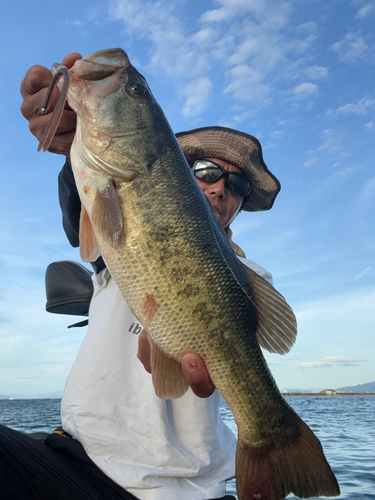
(143, 211)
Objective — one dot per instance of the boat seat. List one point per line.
(69, 288)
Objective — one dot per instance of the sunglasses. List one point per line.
(208, 171)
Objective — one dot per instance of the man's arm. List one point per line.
(70, 203)
(33, 90)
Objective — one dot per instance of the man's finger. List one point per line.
(62, 143)
(32, 104)
(37, 78)
(197, 375)
(193, 367)
(70, 59)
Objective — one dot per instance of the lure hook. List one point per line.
(58, 71)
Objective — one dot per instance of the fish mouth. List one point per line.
(113, 57)
(101, 64)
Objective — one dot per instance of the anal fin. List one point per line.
(167, 375)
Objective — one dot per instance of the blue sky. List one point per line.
(299, 75)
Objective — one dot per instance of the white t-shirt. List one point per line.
(156, 449)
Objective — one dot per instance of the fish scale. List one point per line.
(143, 211)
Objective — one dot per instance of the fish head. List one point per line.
(119, 121)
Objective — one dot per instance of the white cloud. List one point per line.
(332, 142)
(186, 58)
(248, 48)
(316, 72)
(350, 48)
(197, 94)
(75, 22)
(228, 11)
(366, 198)
(369, 125)
(173, 51)
(305, 90)
(246, 84)
(276, 134)
(365, 11)
(273, 12)
(359, 108)
(331, 361)
(365, 271)
(313, 161)
(299, 45)
(243, 39)
(142, 19)
(309, 27)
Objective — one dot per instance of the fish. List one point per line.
(143, 211)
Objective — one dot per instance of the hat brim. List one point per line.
(243, 150)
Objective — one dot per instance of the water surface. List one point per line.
(344, 424)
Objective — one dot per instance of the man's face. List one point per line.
(226, 203)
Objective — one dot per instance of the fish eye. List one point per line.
(136, 88)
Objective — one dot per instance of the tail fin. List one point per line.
(299, 467)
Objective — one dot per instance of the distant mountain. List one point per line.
(57, 394)
(368, 387)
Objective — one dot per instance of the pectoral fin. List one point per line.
(107, 216)
(167, 375)
(277, 325)
(88, 246)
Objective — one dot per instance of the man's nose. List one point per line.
(218, 188)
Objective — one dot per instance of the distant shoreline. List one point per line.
(285, 394)
(326, 394)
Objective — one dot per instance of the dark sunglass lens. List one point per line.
(238, 184)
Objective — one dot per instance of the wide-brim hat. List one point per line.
(243, 150)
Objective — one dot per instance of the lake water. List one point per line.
(344, 424)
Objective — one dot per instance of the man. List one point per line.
(153, 449)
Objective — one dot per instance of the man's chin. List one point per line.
(215, 212)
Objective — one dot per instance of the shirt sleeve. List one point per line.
(70, 203)
(258, 269)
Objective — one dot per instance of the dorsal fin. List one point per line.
(277, 325)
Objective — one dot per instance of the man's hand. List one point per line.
(33, 90)
(193, 367)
